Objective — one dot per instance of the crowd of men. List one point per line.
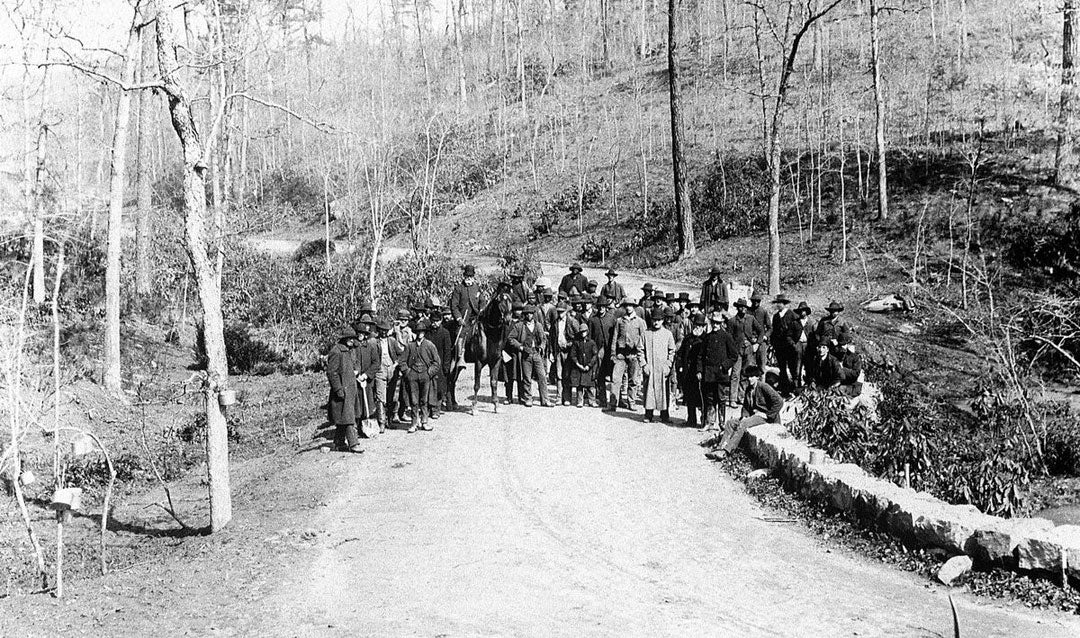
(586, 345)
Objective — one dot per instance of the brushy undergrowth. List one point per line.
(987, 460)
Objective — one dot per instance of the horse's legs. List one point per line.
(478, 367)
(494, 370)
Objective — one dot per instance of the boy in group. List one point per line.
(583, 363)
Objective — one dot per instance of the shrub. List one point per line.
(291, 187)
(596, 249)
(243, 352)
(1062, 443)
(566, 205)
(732, 199)
(519, 259)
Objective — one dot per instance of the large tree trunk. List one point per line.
(879, 106)
(684, 216)
(117, 180)
(217, 371)
(1065, 157)
(144, 171)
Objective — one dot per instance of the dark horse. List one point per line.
(486, 344)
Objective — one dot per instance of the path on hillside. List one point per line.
(569, 522)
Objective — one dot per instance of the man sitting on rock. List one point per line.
(761, 404)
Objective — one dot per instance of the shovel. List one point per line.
(368, 427)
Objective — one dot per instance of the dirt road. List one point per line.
(568, 522)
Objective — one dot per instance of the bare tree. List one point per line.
(143, 170)
(789, 49)
(117, 181)
(879, 112)
(684, 215)
(1065, 164)
(206, 278)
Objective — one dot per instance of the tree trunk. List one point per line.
(879, 110)
(117, 180)
(1065, 164)
(684, 216)
(458, 9)
(217, 371)
(143, 171)
(39, 218)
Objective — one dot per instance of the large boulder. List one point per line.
(950, 527)
(1047, 551)
(995, 543)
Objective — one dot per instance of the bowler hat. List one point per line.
(752, 371)
(603, 301)
(611, 273)
(684, 297)
(844, 338)
(575, 266)
(529, 310)
(562, 306)
(658, 294)
(741, 303)
(699, 320)
(835, 306)
(669, 313)
(781, 298)
(383, 325)
(715, 270)
(657, 314)
(422, 325)
(647, 287)
(470, 270)
(347, 333)
(804, 307)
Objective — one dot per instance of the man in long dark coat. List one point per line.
(765, 320)
(713, 292)
(444, 345)
(574, 283)
(601, 326)
(782, 343)
(718, 354)
(686, 368)
(341, 406)
(366, 360)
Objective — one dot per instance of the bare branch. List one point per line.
(154, 84)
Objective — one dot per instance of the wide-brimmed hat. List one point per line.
(362, 327)
(593, 283)
(611, 273)
(715, 270)
(469, 270)
(647, 287)
(751, 371)
(576, 266)
(404, 314)
(656, 314)
(548, 292)
(669, 313)
(529, 310)
(658, 294)
(383, 325)
(562, 306)
(781, 298)
(603, 301)
(804, 307)
(628, 301)
(741, 303)
(347, 333)
(699, 320)
(844, 338)
(563, 296)
(756, 296)
(422, 325)
(716, 315)
(835, 306)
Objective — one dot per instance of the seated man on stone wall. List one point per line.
(761, 404)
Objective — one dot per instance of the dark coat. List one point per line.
(718, 354)
(569, 333)
(714, 294)
(764, 319)
(420, 359)
(519, 292)
(686, 367)
(444, 345)
(574, 280)
(782, 331)
(851, 364)
(825, 373)
(366, 359)
(600, 330)
(583, 353)
(761, 397)
(613, 291)
(829, 329)
(341, 373)
(465, 299)
(745, 331)
(521, 344)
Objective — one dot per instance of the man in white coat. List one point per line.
(659, 357)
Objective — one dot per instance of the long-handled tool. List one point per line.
(369, 427)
